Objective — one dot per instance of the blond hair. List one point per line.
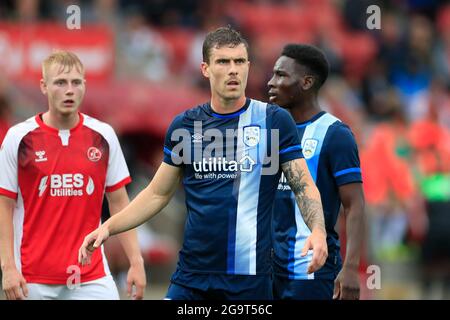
(67, 60)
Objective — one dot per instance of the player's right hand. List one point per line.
(317, 241)
(91, 242)
(14, 284)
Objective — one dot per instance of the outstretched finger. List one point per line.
(337, 290)
(323, 257)
(85, 255)
(18, 294)
(8, 295)
(129, 287)
(312, 266)
(139, 295)
(24, 287)
(315, 261)
(96, 244)
(306, 248)
(12, 294)
(82, 253)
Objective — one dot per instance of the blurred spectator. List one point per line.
(105, 11)
(376, 84)
(434, 103)
(390, 41)
(413, 75)
(334, 55)
(5, 8)
(143, 52)
(164, 13)
(388, 180)
(27, 11)
(341, 100)
(194, 60)
(441, 53)
(214, 20)
(425, 7)
(431, 143)
(355, 15)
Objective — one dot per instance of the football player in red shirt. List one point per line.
(54, 171)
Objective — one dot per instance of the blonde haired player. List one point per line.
(54, 170)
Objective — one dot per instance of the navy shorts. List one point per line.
(222, 287)
(314, 289)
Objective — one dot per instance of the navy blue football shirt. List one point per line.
(231, 169)
(331, 153)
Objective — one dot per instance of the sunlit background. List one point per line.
(390, 85)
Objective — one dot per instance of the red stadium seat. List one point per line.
(358, 49)
(257, 19)
(140, 107)
(268, 45)
(179, 40)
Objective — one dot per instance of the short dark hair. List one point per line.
(223, 36)
(310, 57)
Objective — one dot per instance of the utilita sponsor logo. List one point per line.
(221, 164)
(66, 185)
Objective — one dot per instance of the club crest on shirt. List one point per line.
(94, 154)
(251, 135)
(309, 148)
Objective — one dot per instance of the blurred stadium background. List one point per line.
(392, 86)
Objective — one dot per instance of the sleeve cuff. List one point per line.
(118, 185)
(290, 149)
(9, 194)
(169, 158)
(285, 157)
(347, 171)
(348, 178)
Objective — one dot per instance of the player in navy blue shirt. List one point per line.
(331, 153)
(229, 154)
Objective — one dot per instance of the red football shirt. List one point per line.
(59, 178)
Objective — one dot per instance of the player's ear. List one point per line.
(205, 69)
(43, 86)
(307, 82)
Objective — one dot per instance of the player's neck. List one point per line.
(220, 105)
(59, 121)
(305, 110)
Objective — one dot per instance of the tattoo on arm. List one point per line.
(308, 201)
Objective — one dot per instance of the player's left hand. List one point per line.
(317, 241)
(346, 285)
(136, 280)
